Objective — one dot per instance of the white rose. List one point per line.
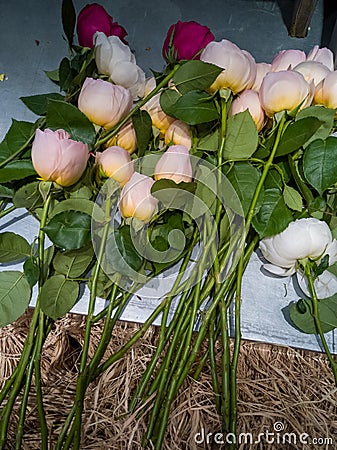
(115, 59)
(303, 238)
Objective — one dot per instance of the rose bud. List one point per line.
(115, 162)
(179, 133)
(136, 199)
(287, 59)
(126, 138)
(58, 158)
(239, 66)
(322, 55)
(261, 70)
(175, 164)
(326, 91)
(312, 71)
(302, 239)
(284, 90)
(104, 103)
(94, 18)
(185, 40)
(115, 59)
(250, 100)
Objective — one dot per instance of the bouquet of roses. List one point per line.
(167, 185)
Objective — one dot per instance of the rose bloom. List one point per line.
(326, 91)
(94, 18)
(175, 164)
(160, 120)
(179, 133)
(287, 59)
(284, 90)
(136, 199)
(58, 158)
(239, 66)
(187, 40)
(126, 138)
(303, 238)
(104, 103)
(115, 162)
(250, 100)
(322, 55)
(115, 59)
(261, 70)
(312, 71)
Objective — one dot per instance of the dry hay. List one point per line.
(275, 385)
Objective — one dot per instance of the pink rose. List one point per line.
(136, 199)
(115, 162)
(104, 103)
(185, 40)
(94, 18)
(250, 100)
(175, 164)
(58, 158)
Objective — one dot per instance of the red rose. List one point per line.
(94, 18)
(185, 40)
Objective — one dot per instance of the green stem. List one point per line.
(83, 370)
(306, 192)
(108, 135)
(4, 212)
(24, 402)
(29, 343)
(38, 384)
(225, 363)
(316, 317)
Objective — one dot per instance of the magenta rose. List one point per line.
(185, 40)
(94, 18)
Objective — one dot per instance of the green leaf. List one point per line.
(5, 153)
(38, 103)
(15, 295)
(13, 247)
(31, 270)
(292, 198)
(17, 170)
(6, 192)
(210, 142)
(241, 137)
(142, 124)
(53, 75)
(28, 196)
(68, 19)
(320, 163)
(167, 100)
(73, 263)
(297, 134)
(121, 254)
(195, 75)
(66, 74)
(171, 194)
(194, 108)
(62, 115)
(325, 115)
(301, 318)
(274, 216)
(58, 295)
(17, 137)
(244, 178)
(69, 229)
(81, 205)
